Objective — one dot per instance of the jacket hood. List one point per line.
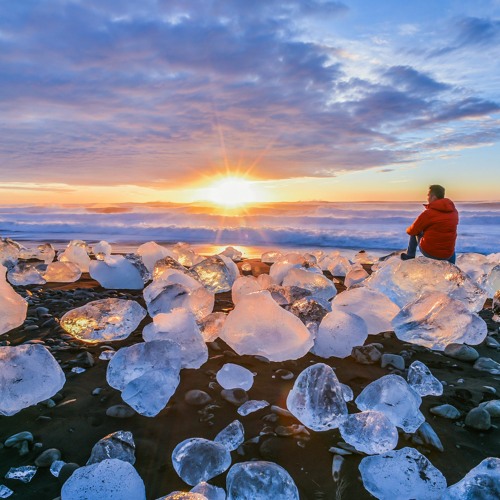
(442, 205)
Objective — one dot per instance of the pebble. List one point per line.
(85, 359)
(487, 365)
(366, 355)
(478, 418)
(393, 360)
(196, 397)
(66, 471)
(120, 411)
(284, 374)
(339, 451)
(97, 391)
(234, 396)
(461, 352)
(281, 411)
(47, 457)
(29, 328)
(16, 438)
(492, 407)
(491, 342)
(446, 411)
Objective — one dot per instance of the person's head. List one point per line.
(436, 192)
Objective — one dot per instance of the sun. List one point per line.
(232, 192)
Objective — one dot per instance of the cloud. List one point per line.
(157, 93)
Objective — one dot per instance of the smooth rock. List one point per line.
(487, 365)
(120, 411)
(196, 397)
(446, 411)
(394, 360)
(47, 457)
(478, 418)
(366, 355)
(462, 352)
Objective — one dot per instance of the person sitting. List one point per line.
(434, 231)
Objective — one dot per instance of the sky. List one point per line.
(108, 101)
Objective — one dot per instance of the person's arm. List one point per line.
(419, 224)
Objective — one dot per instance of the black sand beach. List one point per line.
(78, 419)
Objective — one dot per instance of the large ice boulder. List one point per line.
(435, 320)
(259, 326)
(374, 307)
(482, 482)
(476, 265)
(62, 272)
(175, 289)
(111, 479)
(13, 307)
(316, 398)
(405, 281)
(284, 264)
(181, 327)
(318, 284)
(28, 374)
(243, 286)
(492, 281)
(147, 374)
(338, 333)
(151, 253)
(403, 473)
(103, 320)
(392, 396)
(260, 480)
(117, 272)
(197, 459)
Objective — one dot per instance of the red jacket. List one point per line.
(439, 223)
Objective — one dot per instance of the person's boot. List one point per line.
(405, 256)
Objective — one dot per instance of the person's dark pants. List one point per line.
(414, 243)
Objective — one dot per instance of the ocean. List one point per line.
(373, 226)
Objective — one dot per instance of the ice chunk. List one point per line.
(404, 281)
(282, 266)
(101, 250)
(435, 320)
(318, 284)
(403, 473)
(13, 307)
(25, 473)
(181, 327)
(285, 295)
(175, 289)
(243, 286)
(481, 482)
(316, 398)
(62, 272)
(232, 376)
(197, 459)
(423, 381)
(166, 264)
(44, 252)
(370, 432)
(271, 256)
(231, 436)
(211, 325)
(475, 265)
(258, 326)
(151, 253)
(251, 407)
(148, 375)
(214, 273)
(103, 320)
(118, 272)
(209, 491)
(7, 492)
(260, 480)
(118, 445)
(132, 362)
(338, 333)
(185, 255)
(311, 312)
(392, 396)
(28, 374)
(374, 307)
(184, 495)
(9, 251)
(27, 273)
(356, 274)
(232, 253)
(492, 282)
(111, 479)
(76, 252)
